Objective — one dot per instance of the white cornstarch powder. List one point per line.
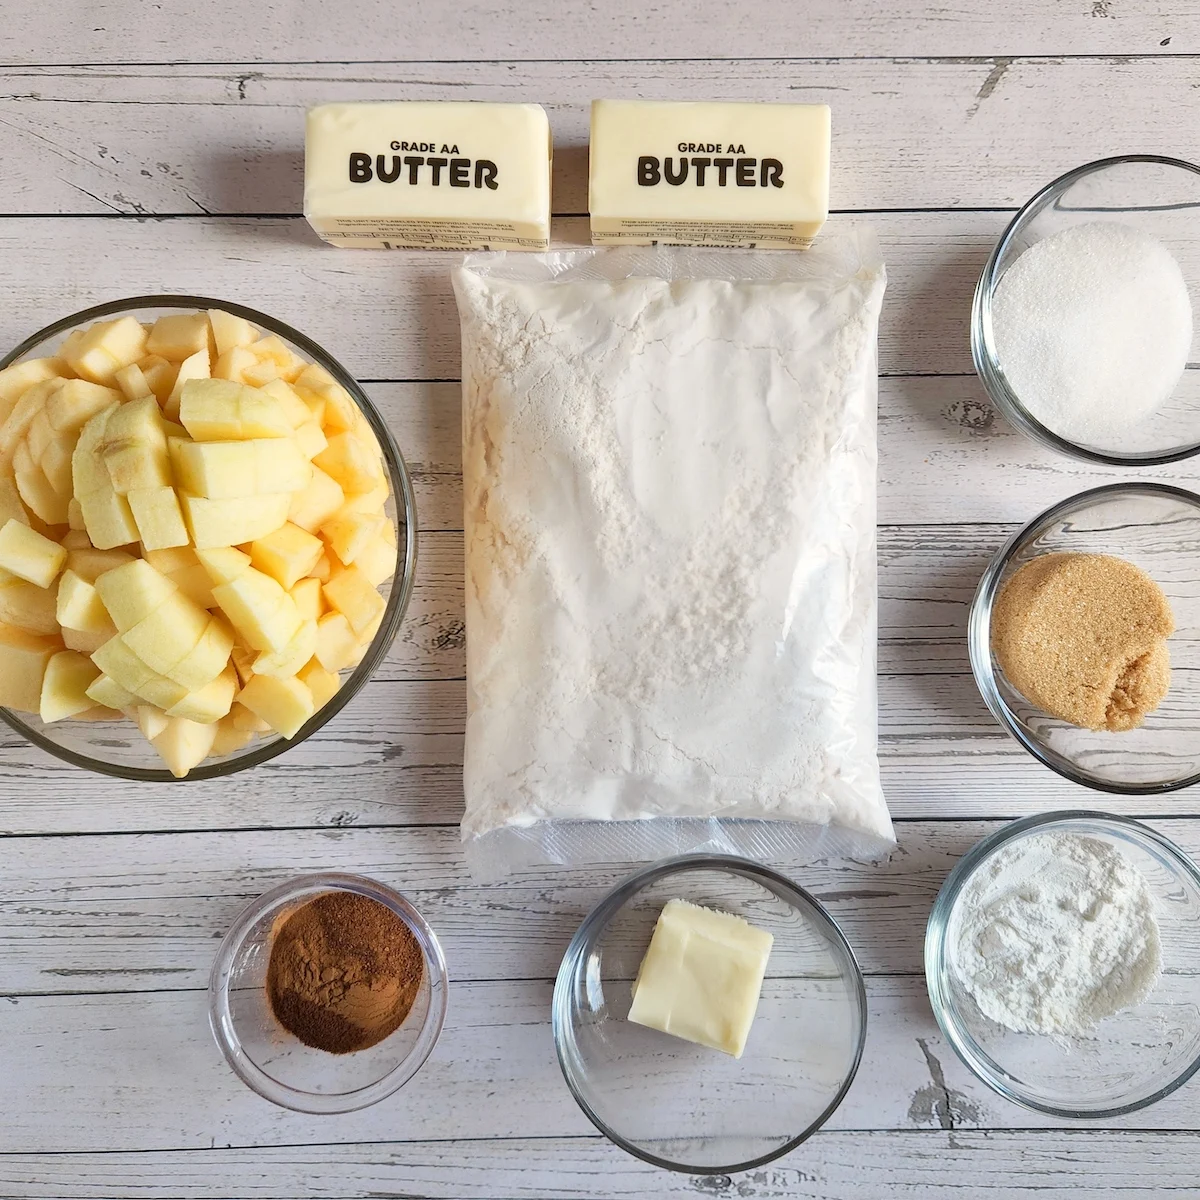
(1092, 328)
(1055, 933)
(670, 517)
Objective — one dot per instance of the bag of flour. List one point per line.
(669, 472)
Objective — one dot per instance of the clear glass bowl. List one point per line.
(686, 1107)
(117, 747)
(1161, 197)
(272, 1061)
(1158, 528)
(1135, 1057)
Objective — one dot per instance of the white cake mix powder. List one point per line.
(1055, 933)
(670, 523)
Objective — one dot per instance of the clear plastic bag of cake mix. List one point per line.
(669, 470)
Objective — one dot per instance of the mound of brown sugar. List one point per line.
(1083, 636)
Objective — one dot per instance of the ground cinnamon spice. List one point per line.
(344, 972)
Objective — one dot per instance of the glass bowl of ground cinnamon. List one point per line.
(328, 993)
(1084, 637)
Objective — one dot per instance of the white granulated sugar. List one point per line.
(1056, 933)
(669, 506)
(1092, 328)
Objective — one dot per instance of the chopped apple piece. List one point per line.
(56, 466)
(90, 564)
(76, 402)
(310, 604)
(160, 375)
(348, 460)
(90, 473)
(64, 686)
(223, 563)
(162, 692)
(78, 605)
(165, 637)
(209, 703)
(297, 411)
(229, 330)
(39, 436)
(336, 643)
(225, 470)
(150, 720)
(26, 605)
(207, 659)
(86, 643)
(18, 378)
(285, 704)
(108, 519)
(178, 336)
(158, 517)
(17, 423)
(273, 349)
(310, 439)
(184, 744)
(219, 410)
(288, 661)
(260, 372)
(371, 503)
(11, 506)
(230, 738)
(242, 718)
(29, 555)
(377, 560)
(322, 683)
(105, 348)
(232, 363)
(233, 522)
(39, 497)
(316, 503)
(259, 609)
(133, 383)
(243, 658)
(350, 533)
(191, 370)
(106, 691)
(195, 584)
(350, 592)
(132, 592)
(120, 663)
(23, 660)
(134, 447)
(287, 553)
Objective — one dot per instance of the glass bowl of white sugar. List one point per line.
(1061, 958)
(1082, 327)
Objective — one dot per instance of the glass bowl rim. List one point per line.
(937, 968)
(979, 621)
(220, 1018)
(599, 917)
(398, 597)
(987, 367)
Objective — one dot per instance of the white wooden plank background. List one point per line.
(147, 147)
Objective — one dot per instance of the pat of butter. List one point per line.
(701, 977)
(438, 175)
(687, 174)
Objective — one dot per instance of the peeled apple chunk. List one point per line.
(193, 531)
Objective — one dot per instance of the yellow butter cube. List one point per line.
(29, 555)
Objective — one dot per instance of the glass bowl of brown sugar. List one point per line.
(328, 993)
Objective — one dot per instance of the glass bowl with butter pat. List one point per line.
(709, 1015)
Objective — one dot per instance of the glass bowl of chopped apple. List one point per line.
(207, 538)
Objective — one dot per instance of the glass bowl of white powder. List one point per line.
(1082, 328)
(1061, 957)
(687, 1107)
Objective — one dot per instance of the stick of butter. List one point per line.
(687, 174)
(701, 977)
(423, 175)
